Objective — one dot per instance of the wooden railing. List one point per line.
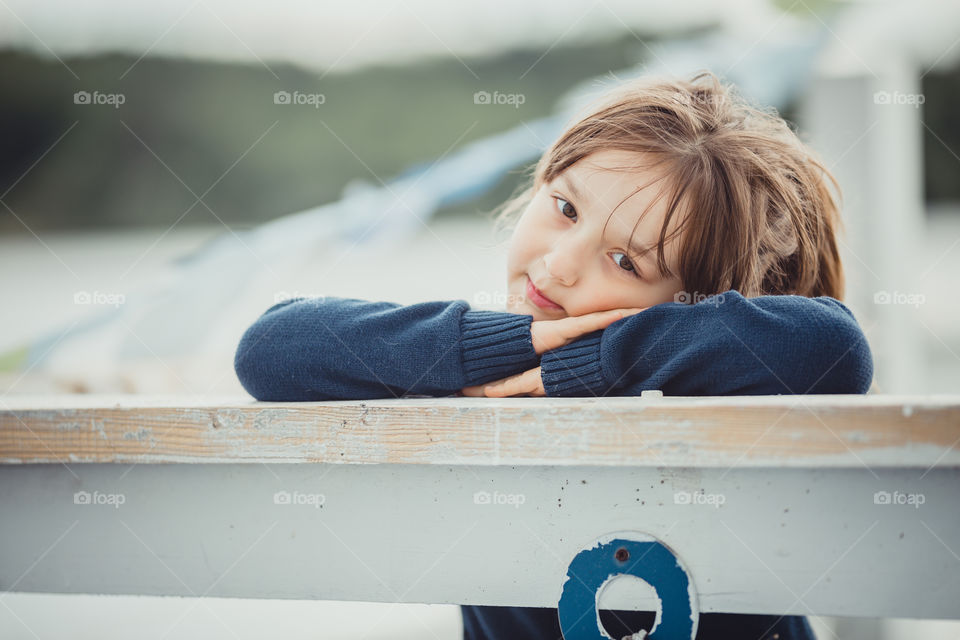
(811, 505)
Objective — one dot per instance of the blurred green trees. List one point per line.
(216, 127)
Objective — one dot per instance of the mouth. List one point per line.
(536, 297)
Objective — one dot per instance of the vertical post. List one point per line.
(866, 124)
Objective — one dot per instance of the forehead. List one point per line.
(615, 172)
(631, 190)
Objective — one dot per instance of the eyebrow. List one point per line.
(649, 257)
(572, 186)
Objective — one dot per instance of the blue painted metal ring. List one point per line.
(634, 554)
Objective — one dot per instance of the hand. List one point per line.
(552, 334)
(547, 335)
(528, 383)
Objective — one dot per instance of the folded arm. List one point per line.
(723, 345)
(344, 349)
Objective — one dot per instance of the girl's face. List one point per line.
(557, 246)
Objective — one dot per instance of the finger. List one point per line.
(499, 390)
(530, 383)
(593, 322)
(514, 385)
(537, 380)
(473, 392)
(632, 310)
(551, 334)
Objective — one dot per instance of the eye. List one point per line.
(632, 269)
(565, 208)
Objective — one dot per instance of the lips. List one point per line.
(537, 297)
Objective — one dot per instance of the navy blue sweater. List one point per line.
(329, 348)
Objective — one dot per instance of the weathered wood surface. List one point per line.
(748, 431)
(820, 505)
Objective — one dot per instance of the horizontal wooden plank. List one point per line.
(849, 431)
(821, 505)
(783, 540)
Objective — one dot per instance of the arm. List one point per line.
(342, 348)
(723, 345)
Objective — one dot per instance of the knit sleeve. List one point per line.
(348, 349)
(723, 345)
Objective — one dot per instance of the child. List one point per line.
(673, 238)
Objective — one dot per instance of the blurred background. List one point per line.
(170, 170)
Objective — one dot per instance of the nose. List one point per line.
(562, 263)
(549, 264)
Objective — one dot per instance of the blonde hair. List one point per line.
(760, 215)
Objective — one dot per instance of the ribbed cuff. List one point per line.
(496, 344)
(574, 369)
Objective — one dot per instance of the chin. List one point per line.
(521, 308)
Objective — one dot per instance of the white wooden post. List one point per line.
(866, 125)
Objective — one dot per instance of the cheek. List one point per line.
(526, 243)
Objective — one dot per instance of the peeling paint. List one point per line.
(369, 420)
(139, 435)
(97, 425)
(268, 418)
(673, 447)
(228, 419)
